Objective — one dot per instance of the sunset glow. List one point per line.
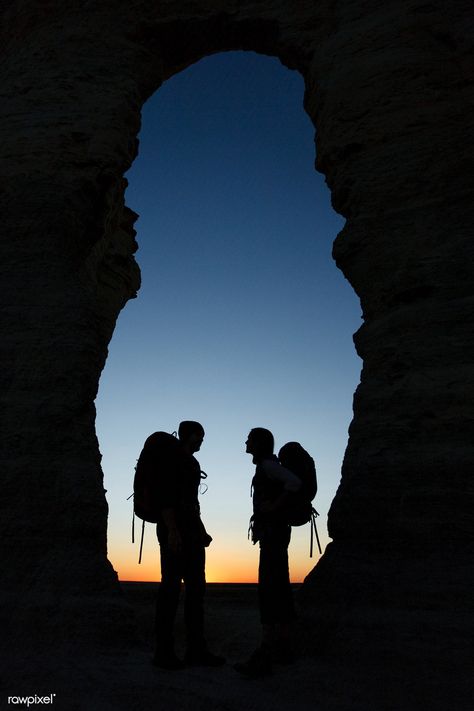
(226, 561)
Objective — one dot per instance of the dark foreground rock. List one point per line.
(389, 89)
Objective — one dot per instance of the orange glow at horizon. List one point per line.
(227, 559)
(149, 572)
(216, 571)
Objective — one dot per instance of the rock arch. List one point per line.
(387, 92)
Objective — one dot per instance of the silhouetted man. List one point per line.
(182, 539)
(273, 486)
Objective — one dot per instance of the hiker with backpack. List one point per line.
(275, 504)
(166, 487)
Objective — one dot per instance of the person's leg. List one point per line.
(275, 603)
(195, 586)
(194, 577)
(274, 587)
(166, 607)
(260, 661)
(279, 612)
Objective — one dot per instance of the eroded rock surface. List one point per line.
(389, 88)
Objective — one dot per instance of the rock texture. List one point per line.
(389, 88)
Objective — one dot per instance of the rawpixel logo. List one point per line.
(31, 700)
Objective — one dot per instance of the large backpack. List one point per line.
(159, 457)
(299, 509)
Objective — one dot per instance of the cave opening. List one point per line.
(242, 318)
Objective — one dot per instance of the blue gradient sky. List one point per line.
(243, 319)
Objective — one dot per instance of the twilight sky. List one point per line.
(243, 319)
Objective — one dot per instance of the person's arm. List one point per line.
(275, 471)
(174, 537)
(276, 504)
(168, 496)
(291, 484)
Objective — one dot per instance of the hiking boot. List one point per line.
(203, 658)
(257, 666)
(167, 661)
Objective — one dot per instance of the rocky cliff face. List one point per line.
(389, 88)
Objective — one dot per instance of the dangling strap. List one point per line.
(133, 532)
(314, 514)
(141, 543)
(133, 519)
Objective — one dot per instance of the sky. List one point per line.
(243, 319)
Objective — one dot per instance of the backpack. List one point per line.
(299, 509)
(160, 456)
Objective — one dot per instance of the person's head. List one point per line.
(260, 443)
(191, 435)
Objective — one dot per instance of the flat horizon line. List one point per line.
(226, 582)
(214, 582)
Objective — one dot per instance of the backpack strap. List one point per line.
(133, 531)
(314, 515)
(141, 543)
(133, 518)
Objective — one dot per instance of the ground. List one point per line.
(317, 681)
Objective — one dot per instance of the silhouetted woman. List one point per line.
(273, 486)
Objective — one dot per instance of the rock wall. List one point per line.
(389, 88)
